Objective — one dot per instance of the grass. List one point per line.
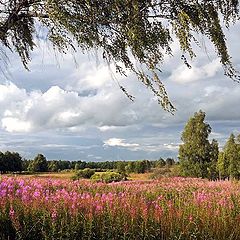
(139, 176)
(50, 175)
(70, 174)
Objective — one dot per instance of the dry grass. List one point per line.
(69, 175)
(61, 175)
(139, 176)
(54, 175)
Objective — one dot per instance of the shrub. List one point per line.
(108, 177)
(173, 171)
(160, 172)
(85, 173)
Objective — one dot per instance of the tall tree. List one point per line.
(143, 29)
(53, 166)
(121, 167)
(229, 160)
(13, 161)
(2, 163)
(10, 162)
(195, 152)
(39, 164)
(213, 154)
(222, 165)
(130, 167)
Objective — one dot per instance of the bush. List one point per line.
(85, 173)
(108, 177)
(173, 171)
(160, 172)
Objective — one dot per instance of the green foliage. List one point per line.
(197, 156)
(130, 168)
(121, 167)
(53, 166)
(160, 173)
(85, 173)
(212, 165)
(39, 164)
(229, 159)
(222, 165)
(141, 166)
(169, 162)
(77, 166)
(10, 162)
(7, 230)
(166, 171)
(232, 154)
(108, 177)
(122, 29)
(161, 163)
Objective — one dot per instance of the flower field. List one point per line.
(170, 208)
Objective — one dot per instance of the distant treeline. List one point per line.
(13, 162)
(10, 162)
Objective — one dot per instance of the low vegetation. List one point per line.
(172, 208)
(85, 173)
(108, 177)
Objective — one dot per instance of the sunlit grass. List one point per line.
(54, 175)
(139, 176)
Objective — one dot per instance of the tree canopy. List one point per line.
(197, 156)
(39, 164)
(124, 30)
(229, 159)
(10, 162)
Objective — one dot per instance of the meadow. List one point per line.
(169, 208)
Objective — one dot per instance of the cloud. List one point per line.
(48, 108)
(85, 78)
(109, 110)
(56, 108)
(107, 128)
(183, 74)
(16, 125)
(23, 111)
(221, 102)
(113, 142)
(171, 146)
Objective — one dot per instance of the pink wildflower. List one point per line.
(12, 213)
(54, 215)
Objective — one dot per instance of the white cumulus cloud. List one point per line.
(27, 111)
(119, 142)
(183, 74)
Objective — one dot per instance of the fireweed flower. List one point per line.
(164, 204)
(11, 213)
(190, 218)
(54, 215)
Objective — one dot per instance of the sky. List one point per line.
(70, 107)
